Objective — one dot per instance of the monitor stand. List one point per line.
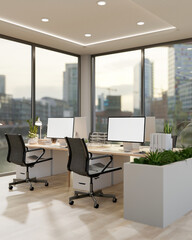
(127, 147)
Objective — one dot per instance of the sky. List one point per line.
(15, 64)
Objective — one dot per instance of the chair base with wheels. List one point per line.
(18, 154)
(27, 180)
(92, 194)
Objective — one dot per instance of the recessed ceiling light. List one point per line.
(45, 20)
(189, 48)
(140, 23)
(87, 35)
(101, 3)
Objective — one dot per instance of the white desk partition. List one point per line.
(80, 127)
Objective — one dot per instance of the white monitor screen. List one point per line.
(60, 127)
(126, 129)
(80, 127)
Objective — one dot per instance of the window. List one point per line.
(56, 89)
(117, 86)
(15, 93)
(56, 85)
(168, 84)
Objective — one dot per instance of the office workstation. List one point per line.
(56, 147)
(106, 63)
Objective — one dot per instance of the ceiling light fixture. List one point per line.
(87, 35)
(101, 3)
(45, 20)
(140, 23)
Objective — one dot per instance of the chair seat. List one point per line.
(96, 169)
(31, 158)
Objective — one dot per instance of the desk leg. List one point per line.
(51, 152)
(69, 178)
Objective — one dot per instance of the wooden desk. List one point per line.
(96, 149)
(113, 149)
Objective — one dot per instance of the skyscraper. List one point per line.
(2, 84)
(148, 87)
(70, 86)
(180, 81)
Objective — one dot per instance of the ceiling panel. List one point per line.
(114, 23)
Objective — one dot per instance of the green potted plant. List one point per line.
(32, 135)
(167, 128)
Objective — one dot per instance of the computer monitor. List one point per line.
(80, 127)
(126, 129)
(60, 128)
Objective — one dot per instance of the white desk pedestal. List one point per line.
(39, 170)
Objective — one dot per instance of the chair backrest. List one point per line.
(16, 149)
(78, 156)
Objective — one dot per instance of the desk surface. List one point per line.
(104, 149)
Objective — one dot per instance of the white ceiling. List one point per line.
(114, 23)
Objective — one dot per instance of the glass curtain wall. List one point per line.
(15, 94)
(117, 86)
(56, 85)
(169, 88)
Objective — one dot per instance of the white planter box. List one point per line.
(157, 195)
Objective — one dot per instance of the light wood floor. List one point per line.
(45, 214)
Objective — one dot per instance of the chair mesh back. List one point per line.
(16, 149)
(78, 156)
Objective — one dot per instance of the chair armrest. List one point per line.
(36, 149)
(90, 155)
(104, 156)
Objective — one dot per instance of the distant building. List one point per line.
(180, 81)
(100, 105)
(148, 87)
(112, 103)
(109, 106)
(2, 84)
(70, 86)
(159, 107)
(52, 107)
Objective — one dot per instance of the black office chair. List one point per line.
(79, 162)
(17, 154)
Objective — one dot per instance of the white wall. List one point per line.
(86, 89)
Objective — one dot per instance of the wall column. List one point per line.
(86, 89)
